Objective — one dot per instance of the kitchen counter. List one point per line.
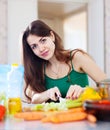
(18, 124)
(11, 123)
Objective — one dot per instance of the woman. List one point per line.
(52, 71)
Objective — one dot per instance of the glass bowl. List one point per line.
(103, 89)
(101, 109)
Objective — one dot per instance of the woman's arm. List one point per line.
(83, 62)
(36, 97)
(43, 96)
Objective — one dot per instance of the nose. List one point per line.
(41, 47)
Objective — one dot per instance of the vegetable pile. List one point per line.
(52, 106)
(64, 111)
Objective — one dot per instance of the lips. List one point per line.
(44, 54)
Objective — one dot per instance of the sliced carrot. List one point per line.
(29, 115)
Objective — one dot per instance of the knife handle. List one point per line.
(57, 96)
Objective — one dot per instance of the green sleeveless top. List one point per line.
(64, 83)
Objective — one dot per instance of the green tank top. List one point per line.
(64, 83)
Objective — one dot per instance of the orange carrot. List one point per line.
(46, 118)
(77, 109)
(60, 117)
(29, 115)
(67, 117)
(91, 118)
(51, 114)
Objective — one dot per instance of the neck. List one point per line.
(54, 67)
(53, 61)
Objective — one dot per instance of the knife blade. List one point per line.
(62, 99)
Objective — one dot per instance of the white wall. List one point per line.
(96, 31)
(107, 36)
(3, 31)
(75, 31)
(20, 14)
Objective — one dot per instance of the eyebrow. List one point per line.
(41, 39)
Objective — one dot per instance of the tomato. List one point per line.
(104, 102)
(2, 112)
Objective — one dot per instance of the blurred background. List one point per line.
(81, 24)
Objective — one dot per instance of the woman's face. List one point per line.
(43, 47)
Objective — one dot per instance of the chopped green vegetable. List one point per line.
(74, 103)
(38, 107)
(52, 106)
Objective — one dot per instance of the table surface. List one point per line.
(18, 124)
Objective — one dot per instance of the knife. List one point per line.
(59, 98)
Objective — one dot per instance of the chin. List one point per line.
(46, 58)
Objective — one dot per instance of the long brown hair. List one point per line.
(33, 65)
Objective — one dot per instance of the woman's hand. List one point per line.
(53, 93)
(74, 91)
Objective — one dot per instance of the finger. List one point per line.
(77, 92)
(57, 96)
(70, 91)
(50, 94)
(57, 91)
(53, 96)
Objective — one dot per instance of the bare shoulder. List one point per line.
(83, 62)
(79, 54)
(80, 59)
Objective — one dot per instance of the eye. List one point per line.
(43, 40)
(33, 46)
